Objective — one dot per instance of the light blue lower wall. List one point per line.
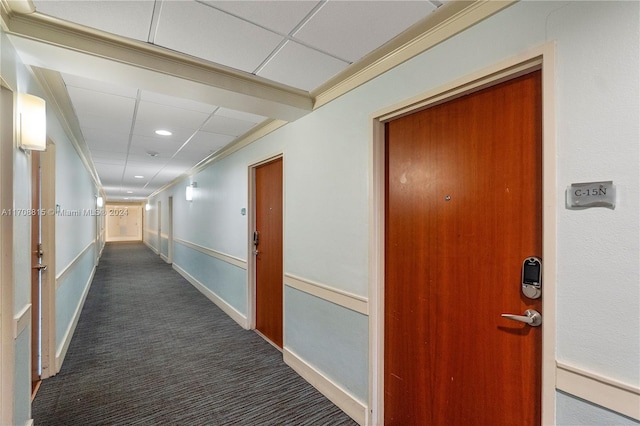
(70, 291)
(331, 338)
(22, 387)
(227, 281)
(164, 246)
(577, 412)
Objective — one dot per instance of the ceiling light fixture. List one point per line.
(162, 132)
(189, 191)
(32, 122)
(139, 177)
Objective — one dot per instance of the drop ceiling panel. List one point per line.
(146, 146)
(207, 33)
(169, 173)
(108, 157)
(240, 115)
(193, 157)
(139, 169)
(168, 117)
(100, 86)
(101, 104)
(227, 126)
(99, 139)
(279, 16)
(207, 142)
(110, 173)
(127, 18)
(188, 104)
(196, 151)
(351, 29)
(299, 66)
(101, 123)
(180, 165)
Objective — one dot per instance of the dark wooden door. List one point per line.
(268, 245)
(463, 210)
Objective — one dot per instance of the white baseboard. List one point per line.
(228, 309)
(66, 341)
(151, 247)
(619, 397)
(344, 400)
(165, 258)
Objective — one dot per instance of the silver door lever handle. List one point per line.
(531, 317)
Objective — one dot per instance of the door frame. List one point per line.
(251, 227)
(542, 58)
(170, 230)
(159, 227)
(7, 345)
(48, 231)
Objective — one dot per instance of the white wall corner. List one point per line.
(236, 315)
(356, 409)
(61, 353)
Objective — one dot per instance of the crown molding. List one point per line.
(444, 23)
(58, 101)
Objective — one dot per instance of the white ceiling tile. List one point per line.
(207, 33)
(166, 117)
(276, 15)
(299, 66)
(142, 169)
(90, 102)
(149, 145)
(179, 164)
(192, 157)
(203, 146)
(110, 173)
(208, 141)
(227, 126)
(108, 157)
(146, 129)
(351, 29)
(240, 115)
(100, 139)
(183, 103)
(100, 86)
(108, 124)
(170, 172)
(158, 161)
(126, 18)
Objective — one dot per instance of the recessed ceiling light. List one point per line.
(129, 192)
(163, 132)
(139, 177)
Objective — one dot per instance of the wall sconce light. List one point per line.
(32, 122)
(99, 202)
(189, 191)
(147, 207)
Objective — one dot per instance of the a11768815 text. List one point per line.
(64, 212)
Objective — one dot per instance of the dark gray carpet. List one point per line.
(149, 349)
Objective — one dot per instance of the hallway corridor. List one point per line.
(149, 349)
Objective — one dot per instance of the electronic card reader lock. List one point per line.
(532, 277)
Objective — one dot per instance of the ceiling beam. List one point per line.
(58, 45)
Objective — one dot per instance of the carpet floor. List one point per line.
(150, 349)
